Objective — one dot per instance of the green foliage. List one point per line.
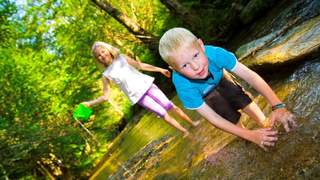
(46, 69)
(7, 8)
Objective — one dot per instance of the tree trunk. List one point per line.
(188, 16)
(150, 40)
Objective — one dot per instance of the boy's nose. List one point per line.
(194, 65)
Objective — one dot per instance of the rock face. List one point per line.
(276, 18)
(282, 46)
(254, 9)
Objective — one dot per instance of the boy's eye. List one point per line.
(196, 55)
(184, 66)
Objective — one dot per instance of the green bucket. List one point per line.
(82, 113)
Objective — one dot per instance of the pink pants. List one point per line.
(156, 101)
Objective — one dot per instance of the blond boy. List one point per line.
(202, 85)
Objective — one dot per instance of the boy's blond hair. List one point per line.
(173, 39)
(115, 52)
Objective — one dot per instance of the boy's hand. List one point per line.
(165, 72)
(285, 117)
(264, 137)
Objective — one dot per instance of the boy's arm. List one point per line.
(104, 97)
(281, 114)
(261, 137)
(147, 67)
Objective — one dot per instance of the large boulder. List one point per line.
(288, 44)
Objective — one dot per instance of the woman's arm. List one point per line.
(147, 67)
(104, 97)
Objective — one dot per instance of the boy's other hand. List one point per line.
(264, 137)
(287, 119)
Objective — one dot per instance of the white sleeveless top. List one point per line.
(132, 82)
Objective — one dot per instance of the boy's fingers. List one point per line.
(264, 148)
(266, 143)
(271, 132)
(262, 145)
(292, 119)
(286, 125)
(294, 123)
(270, 139)
(267, 130)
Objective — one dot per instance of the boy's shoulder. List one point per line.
(213, 51)
(179, 80)
(220, 57)
(182, 83)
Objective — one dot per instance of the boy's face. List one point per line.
(191, 61)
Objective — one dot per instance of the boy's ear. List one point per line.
(201, 44)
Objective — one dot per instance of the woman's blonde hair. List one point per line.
(173, 39)
(115, 52)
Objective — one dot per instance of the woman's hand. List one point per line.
(264, 137)
(165, 72)
(87, 104)
(287, 119)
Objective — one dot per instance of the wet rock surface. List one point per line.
(278, 17)
(289, 44)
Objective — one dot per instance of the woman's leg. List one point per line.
(150, 104)
(156, 94)
(162, 99)
(184, 116)
(175, 124)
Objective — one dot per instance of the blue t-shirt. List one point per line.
(192, 91)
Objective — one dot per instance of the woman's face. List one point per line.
(103, 56)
